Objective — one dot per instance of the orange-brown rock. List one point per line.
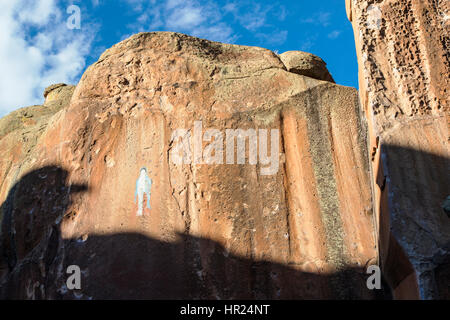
(403, 56)
(305, 229)
(306, 64)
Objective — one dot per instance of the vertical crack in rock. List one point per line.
(319, 137)
(286, 188)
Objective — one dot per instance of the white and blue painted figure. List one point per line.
(143, 185)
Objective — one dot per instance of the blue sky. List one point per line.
(37, 49)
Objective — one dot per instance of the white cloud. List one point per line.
(185, 18)
(274, 38)
(37, 50)
(334, 34)
(308, 43)
(324, 18)
(320, 18)
(281, 13)
(254, 17)
(205, 18)
(38, 13)
(174, 3)
(250, 15)
(198, 18)
(216, 32)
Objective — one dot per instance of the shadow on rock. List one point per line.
(134, 266)
(29, 231)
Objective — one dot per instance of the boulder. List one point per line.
(306, 64)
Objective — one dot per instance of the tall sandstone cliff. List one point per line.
(306, 229)
(354, 185)
(404, 70)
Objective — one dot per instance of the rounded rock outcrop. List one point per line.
(306, 64)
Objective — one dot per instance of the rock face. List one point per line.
(291, 217)
(403, 53)
(26, 119)
(21, 129)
